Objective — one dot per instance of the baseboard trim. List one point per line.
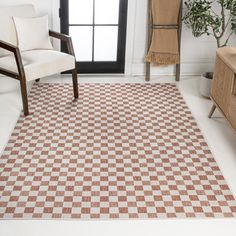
(187, 68)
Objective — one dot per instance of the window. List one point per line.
(98, 31)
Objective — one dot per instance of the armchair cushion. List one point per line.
(40, 63)
(32, 33)
(7, 26)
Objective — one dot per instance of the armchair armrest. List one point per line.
(8, 46)
(14, 49)
(63, 37)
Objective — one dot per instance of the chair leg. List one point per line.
(212, 111)
(75, 83)
(24, 96)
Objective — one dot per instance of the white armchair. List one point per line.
(28, 65)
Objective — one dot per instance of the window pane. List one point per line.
(105, 43)
(82, 41)
(106, 11)
(80, 11)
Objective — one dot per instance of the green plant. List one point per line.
(216, 18)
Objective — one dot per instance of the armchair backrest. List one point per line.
(7, 27)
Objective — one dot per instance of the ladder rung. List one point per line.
(165, 26)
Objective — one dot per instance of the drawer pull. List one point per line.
(234, 86)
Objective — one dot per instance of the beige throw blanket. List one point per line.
(164, 48)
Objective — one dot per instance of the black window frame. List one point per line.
(103, 67)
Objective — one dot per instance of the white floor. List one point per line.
(220, 137)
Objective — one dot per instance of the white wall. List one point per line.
(42, 6)
(197, 53)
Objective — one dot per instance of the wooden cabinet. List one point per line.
(223, 92)
(232, 105)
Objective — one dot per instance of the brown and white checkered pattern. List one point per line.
(120, 151)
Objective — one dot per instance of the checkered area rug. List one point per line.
(119, 152)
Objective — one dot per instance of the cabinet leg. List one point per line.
(212, 111)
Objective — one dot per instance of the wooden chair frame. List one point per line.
(20, 75)
(151, 26)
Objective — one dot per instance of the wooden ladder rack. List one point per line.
(151, 26)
